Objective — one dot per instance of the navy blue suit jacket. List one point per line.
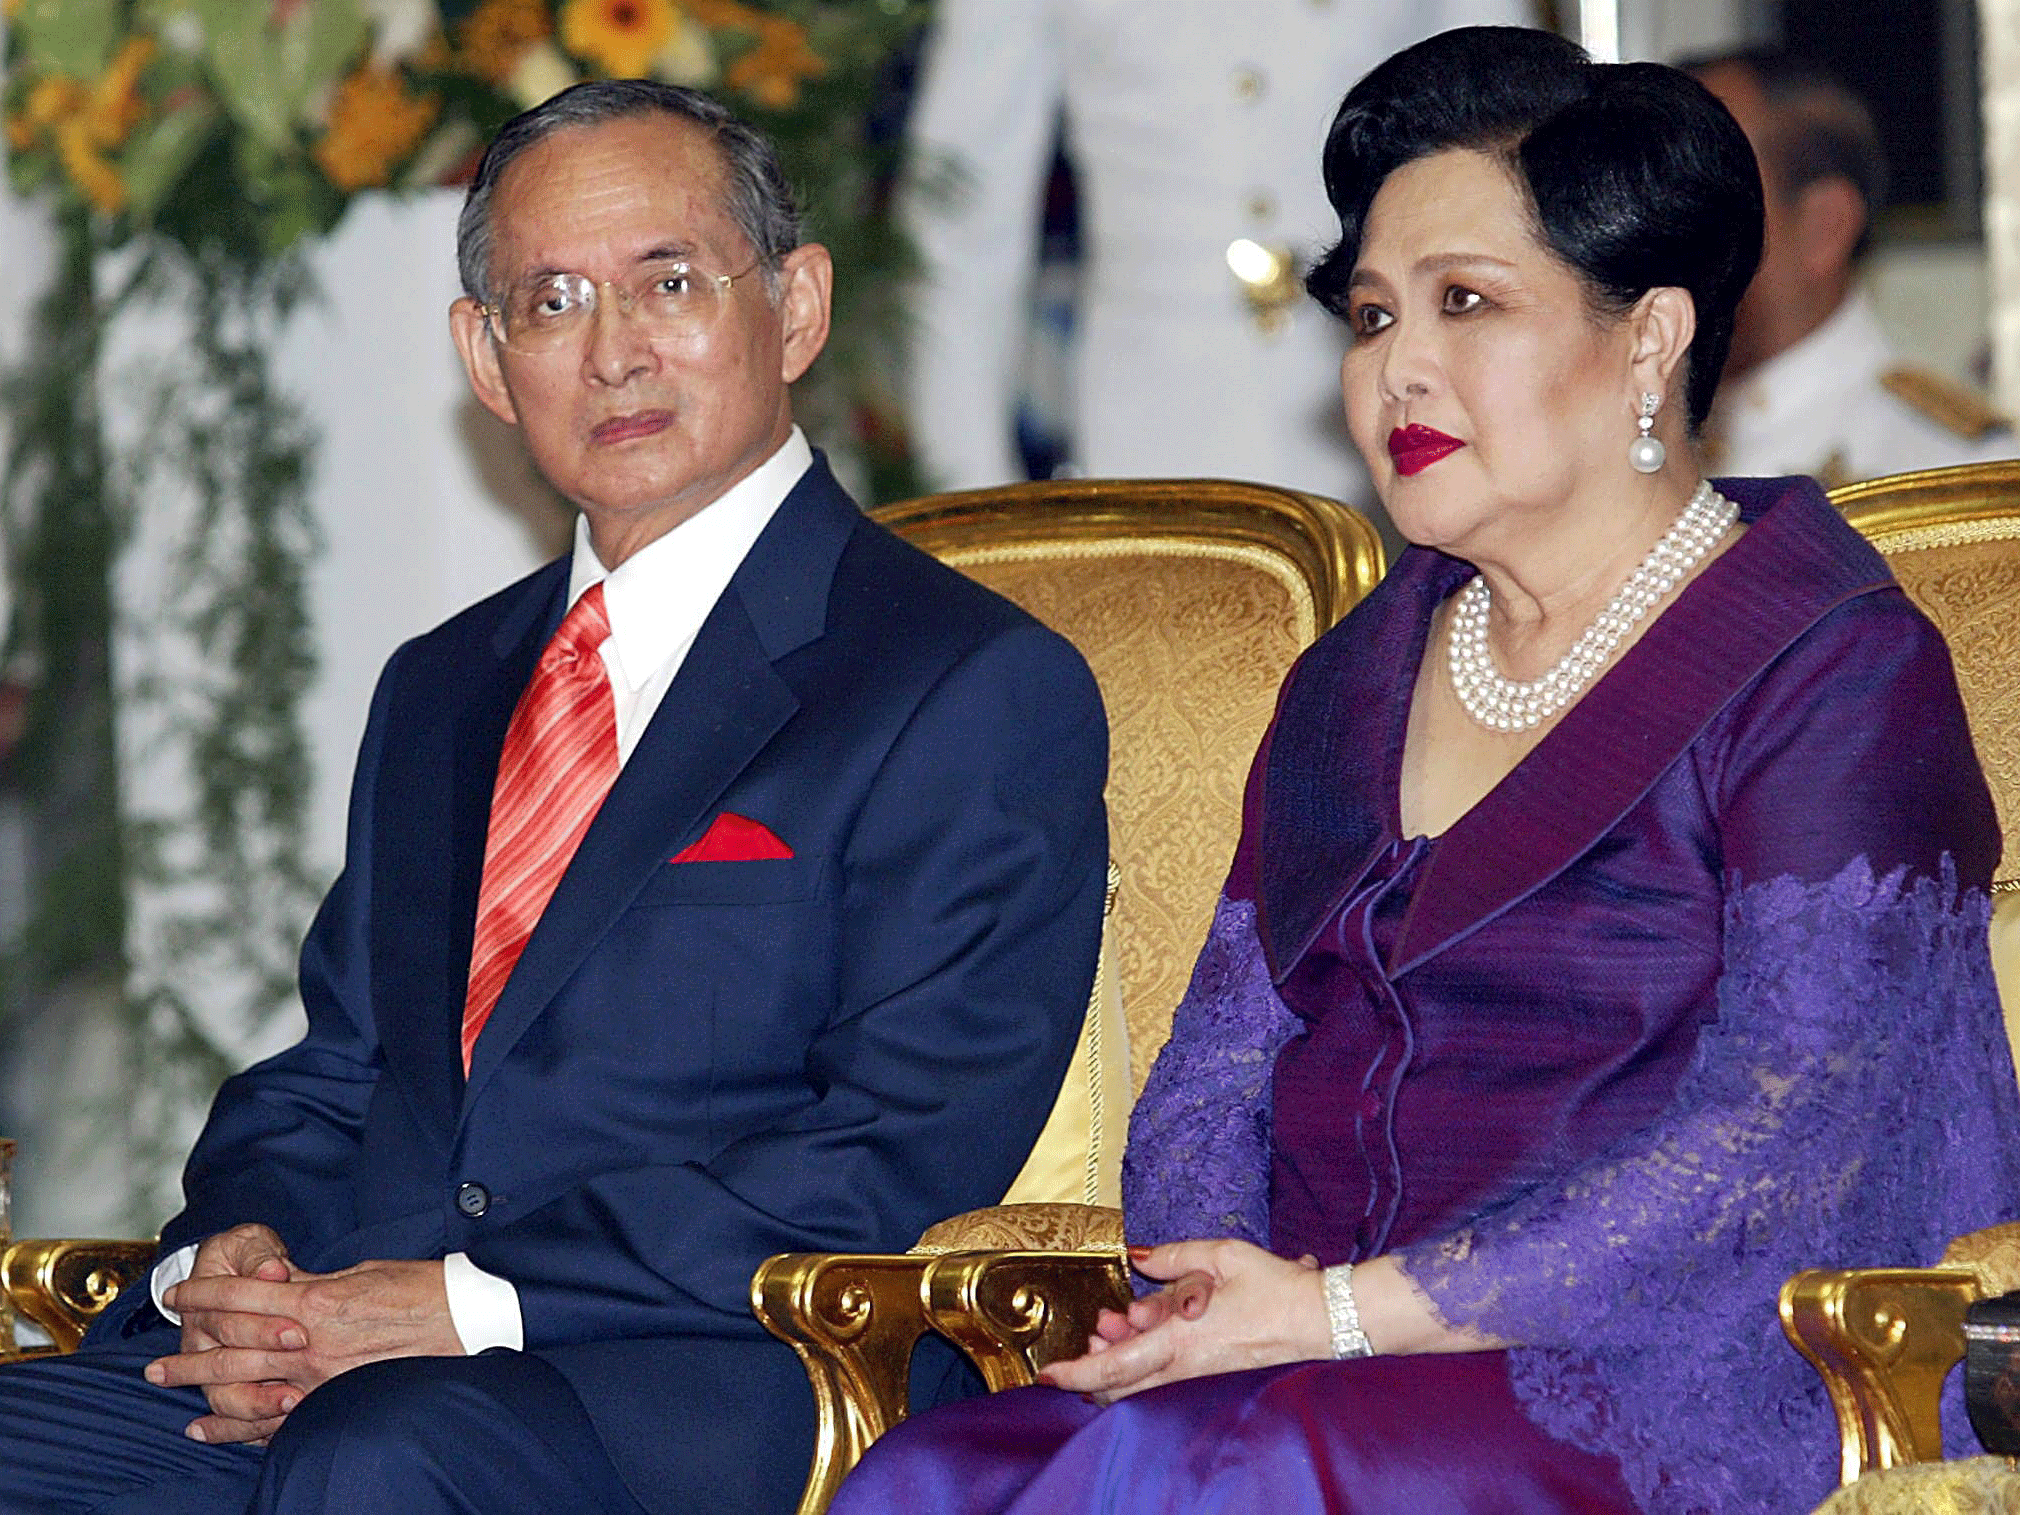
(695, 1065)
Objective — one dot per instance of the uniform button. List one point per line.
(1249, 83)
(473, 1199)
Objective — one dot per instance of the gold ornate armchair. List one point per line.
(61, 1286)
(1189, 599)
(1884, 1338)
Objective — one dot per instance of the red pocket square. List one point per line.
(733, 838)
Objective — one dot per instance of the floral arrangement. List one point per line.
(112, 103)
(215, 139)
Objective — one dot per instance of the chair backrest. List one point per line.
(1189, 599)
(1952, 537)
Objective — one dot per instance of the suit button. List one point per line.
(473, 1199)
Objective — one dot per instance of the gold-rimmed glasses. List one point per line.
(668, 298)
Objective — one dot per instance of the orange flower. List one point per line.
(497, 34)
(374, 123)
(619, 37)
(771, 73)
(725, 15)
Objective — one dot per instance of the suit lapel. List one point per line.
(431, 861)
(722, 708)
(1797, 561)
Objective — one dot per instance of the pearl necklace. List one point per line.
(1499, 702)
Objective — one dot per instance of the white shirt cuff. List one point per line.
(169, 1272)
(483, 1307)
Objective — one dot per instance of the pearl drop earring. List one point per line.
(1645, 454)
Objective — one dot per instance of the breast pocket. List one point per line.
(771, 880)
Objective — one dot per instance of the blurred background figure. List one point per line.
(1814, 385)
(1194, 130)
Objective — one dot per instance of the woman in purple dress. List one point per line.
(1606, 939)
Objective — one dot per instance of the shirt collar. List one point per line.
(658, 597)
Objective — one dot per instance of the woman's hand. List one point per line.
(1228, 1305)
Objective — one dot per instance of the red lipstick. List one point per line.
(1416, 448)
(640, 423)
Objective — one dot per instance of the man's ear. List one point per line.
(1829, 219)
(1663, 322)
(806, 285)
(471, 329)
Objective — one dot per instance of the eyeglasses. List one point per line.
(668, 300)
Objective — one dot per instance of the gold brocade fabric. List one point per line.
(1027, 1228)
(1993, 1254)
(1189, 645)
(1971, 590)
(1972, 1486)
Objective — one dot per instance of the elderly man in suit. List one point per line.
(730, 886)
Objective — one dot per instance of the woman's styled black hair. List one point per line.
(1637, 176)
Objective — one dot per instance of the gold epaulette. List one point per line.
(1953, 406)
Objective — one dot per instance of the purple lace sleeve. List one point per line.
(1852, 1105)
(1198, 1158)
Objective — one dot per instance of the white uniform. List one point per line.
(1841, 406)
(1191, 123)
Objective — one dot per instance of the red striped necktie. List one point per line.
(560, 760)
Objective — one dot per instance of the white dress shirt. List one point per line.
(656, 599)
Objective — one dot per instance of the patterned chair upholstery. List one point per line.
(1884, 1338)
(1189, 599)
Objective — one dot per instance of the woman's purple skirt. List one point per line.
(1381, 1436)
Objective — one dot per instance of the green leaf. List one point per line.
(73, 37)
(160, 154)
(316, 47)
(271, 80)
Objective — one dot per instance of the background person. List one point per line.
(1191, 126)
(1813, 385)
(1606, 939)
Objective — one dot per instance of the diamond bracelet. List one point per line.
(1343, 1315)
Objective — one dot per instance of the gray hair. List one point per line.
(757, 197)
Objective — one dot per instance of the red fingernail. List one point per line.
(1137, 1254)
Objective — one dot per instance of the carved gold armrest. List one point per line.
(853, 1320)
(1882, 1339)
(1014, 1312)
(62, 1285)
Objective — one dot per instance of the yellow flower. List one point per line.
(497, 34)
(88, 168)
(771, 72)
(374, 123)
(620, 37)
(88, 122)
(116, 106)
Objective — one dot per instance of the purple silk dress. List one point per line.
(1698, 995)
